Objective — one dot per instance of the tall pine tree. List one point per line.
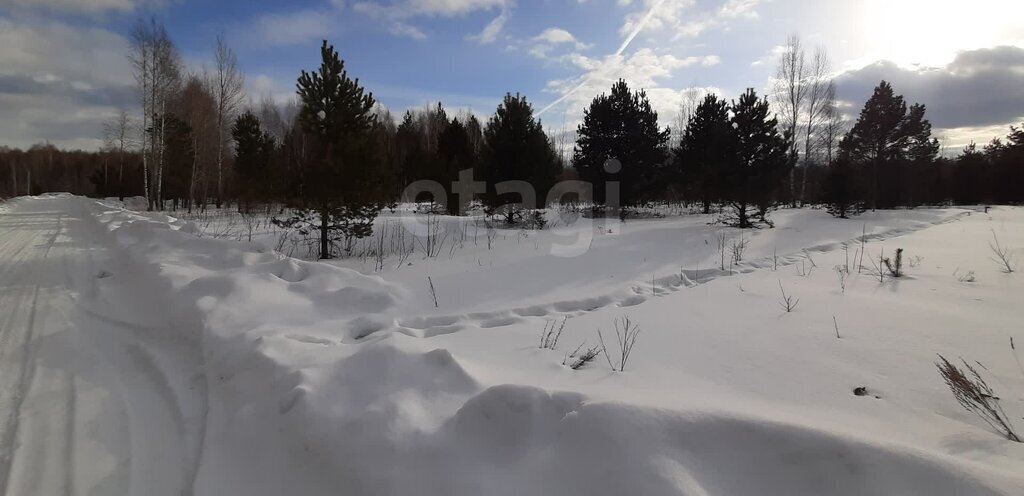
(887, 136)
(622, 126)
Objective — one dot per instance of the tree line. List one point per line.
(336, 156)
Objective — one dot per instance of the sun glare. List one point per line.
(931, 32)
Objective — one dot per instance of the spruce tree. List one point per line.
(517, 149)
(622, 126)
(340, 189)
(708, 145)
(762, 160)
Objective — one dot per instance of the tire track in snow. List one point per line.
(16, 345)
(119, 429)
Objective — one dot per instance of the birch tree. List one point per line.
(818, 84)
(141, 58)
(791, 94)
(227, 93)
(833, 126)
(198, 109)
(118, 139)
(691, 99)
(157, 66)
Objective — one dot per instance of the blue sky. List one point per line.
(63, 68)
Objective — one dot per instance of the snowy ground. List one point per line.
(160, 357)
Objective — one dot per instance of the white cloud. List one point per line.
(542, 44)
(396, 14)
(661, 15)
(644, 69)
(740, 8)
(555, 36)
(680, 19)
(770, 57)
(58, 82)
(978, 92)
(82, 6)
(493, 29)
(290, 28)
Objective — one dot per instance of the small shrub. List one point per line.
(1002, 255)
(737, 248)
(720, 243)
(549, 337)
(842, 273)
(965, 277)
(581, 356)
(626, 331)
(895, 265)
(788, 303)
(975, 395)
(878, 268)
(537, 220)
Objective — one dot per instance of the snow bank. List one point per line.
(321, 379)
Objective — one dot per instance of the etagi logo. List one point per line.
(573, 232)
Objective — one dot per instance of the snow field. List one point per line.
(323, 379)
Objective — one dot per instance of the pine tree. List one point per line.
(254, 150)
(1007, 158)
(707, 146)
(622, 126)
(970, 176)
(455, 153)
(887, 135)
(340, 189)
(842, 189)
(516, 149)
(762, 160)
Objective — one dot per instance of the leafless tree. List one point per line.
(791, 93)
(272, 118)
(198, 109)
(117, 138)
(228, 82)
(157, 66)
(819, 85)
(832, 126)
(141, 58)
(692, 97)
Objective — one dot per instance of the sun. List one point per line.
(931, 32)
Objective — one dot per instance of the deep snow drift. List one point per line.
(343, 378)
